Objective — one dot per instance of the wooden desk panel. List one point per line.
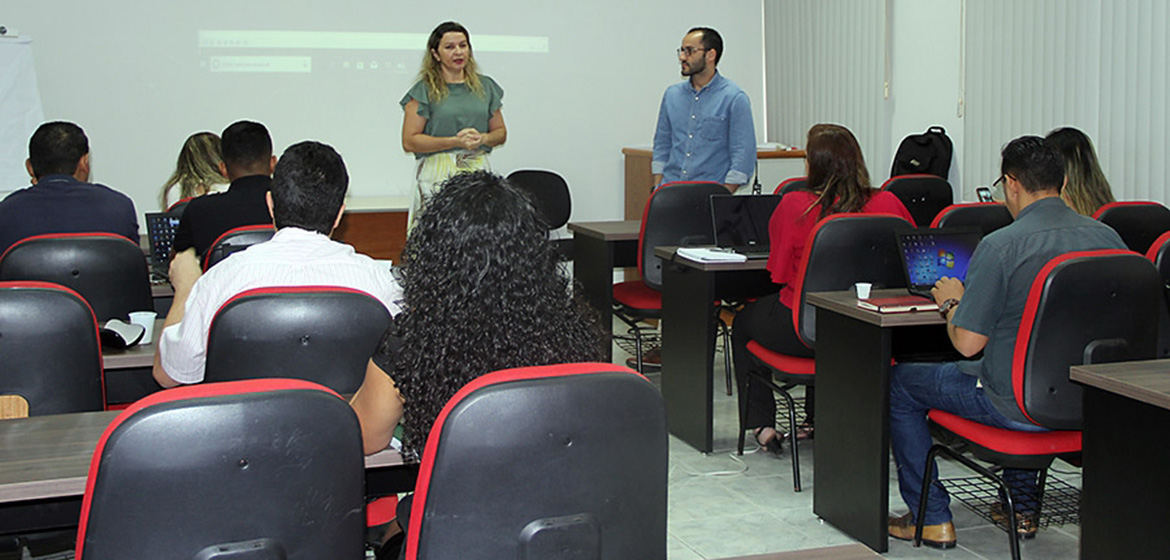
(381, 234)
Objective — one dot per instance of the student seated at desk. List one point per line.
(483, 292)
(306, 203)
(837, 182)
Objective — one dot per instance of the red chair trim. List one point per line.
(1010, 442)
(241, 229)
(1101, 211)
(312, 289)
(792, 365)
(637, 295)
(178, 202)
(185, 392)
(36, 284)
(64, 236)
(787, 182)
(1152, 252)
(909, 176)
(1024, 334)
(494, 378)
(938, 217)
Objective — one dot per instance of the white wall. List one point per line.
(129, 73)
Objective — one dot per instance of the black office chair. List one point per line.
(1159, 254)
(560, 461)
(1084, 308)
(108, 270)
(235, 240)
(845, 249)
(549, 192)
(677, 214)
(50, 355)
(923, 195)
(259, 469)
(1138, 223)
(323, 334)
(987, 216)
(791, 184)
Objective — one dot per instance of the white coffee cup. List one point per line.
(863, 289)
(145, 319)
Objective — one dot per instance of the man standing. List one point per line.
(705, 130)
(247, 163)
(306, 203)
(984, 316)
(61, 200)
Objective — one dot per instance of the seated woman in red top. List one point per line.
(837, 182)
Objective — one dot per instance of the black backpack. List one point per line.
(929, 152)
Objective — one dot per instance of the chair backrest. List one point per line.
(791, 184)
(548, 191)
(987, 216)
(842, 250)
(1083, 307)
(179, 206)
(108, 270)
(235, 240)
(323, 334)
(1159, 254)
(561, 461)
(677, 214)
(50, 354)
(1138, 223)
(261, 469)
(923, 195)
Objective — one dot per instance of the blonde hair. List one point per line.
(1086, 189)
(197, 169)
(431, 73)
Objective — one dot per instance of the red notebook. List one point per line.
(898, 304)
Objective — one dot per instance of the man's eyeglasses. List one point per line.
(688, 51)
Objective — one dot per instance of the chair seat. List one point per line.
(636, 295)
(791, 365)
(1009, 442)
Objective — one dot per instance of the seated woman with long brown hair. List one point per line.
(837, 182)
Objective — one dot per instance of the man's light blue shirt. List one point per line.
(706, 134)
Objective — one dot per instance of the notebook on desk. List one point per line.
(930, 254)
(741, 222)
(160, 230)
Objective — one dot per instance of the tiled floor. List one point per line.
(722, 506)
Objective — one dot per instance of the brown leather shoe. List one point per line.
(1025, 524)
(934, 536)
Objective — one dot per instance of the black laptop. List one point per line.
(160, 230)
(931, 254)
(741, 222)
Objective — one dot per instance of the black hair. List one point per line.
(56, 148)
(308, 187)
(712, 40)
(247, 146)
(1034, 163)
(484, 291)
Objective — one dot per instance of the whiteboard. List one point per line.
(20, 110)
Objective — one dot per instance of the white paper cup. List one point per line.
(863, 289)
(145, 319)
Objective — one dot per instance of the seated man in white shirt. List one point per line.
(306, 202)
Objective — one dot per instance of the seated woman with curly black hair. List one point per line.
(483, 292)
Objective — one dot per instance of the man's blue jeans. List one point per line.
(917, 388)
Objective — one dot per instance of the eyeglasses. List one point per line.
(688, 51)
(997, 188)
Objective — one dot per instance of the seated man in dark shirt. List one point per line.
(248, 164)
(60, 200)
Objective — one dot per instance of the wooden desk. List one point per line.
(1124, 496)
(689, 292)
(44, 462)
(854, 349)
(598, 247)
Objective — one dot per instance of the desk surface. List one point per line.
(668, 254)
(760, 153)
(845, 303)
(618, 230)
(1145, 381)
(48, 456)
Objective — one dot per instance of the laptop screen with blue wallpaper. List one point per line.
(931, 254)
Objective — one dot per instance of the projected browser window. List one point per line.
(318, 51)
